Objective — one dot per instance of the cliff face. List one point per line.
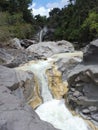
(83, 85)
(91, 53)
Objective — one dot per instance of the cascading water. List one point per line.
(42, 33)
(54, 111)
(39, 69)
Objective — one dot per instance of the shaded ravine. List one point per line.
(54, 111)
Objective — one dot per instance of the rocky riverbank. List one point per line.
(45, 71)
(83, 85)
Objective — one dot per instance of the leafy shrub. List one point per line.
(89, 29)
(14, 26)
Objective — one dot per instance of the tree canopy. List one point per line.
(77, 22)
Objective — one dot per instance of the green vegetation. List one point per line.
(77, 22)
(15, 19)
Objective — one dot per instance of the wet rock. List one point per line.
(47, 49)
(22, 84)
(57, 74)
(95, 116)
(57, 87)
(16, 115)
(85, 96)
(5, 58)
(91, 53)
(92, 108)
(76, 94)
(72, 89)
(86, 111)
(67, 62)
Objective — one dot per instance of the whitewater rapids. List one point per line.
(56, 113)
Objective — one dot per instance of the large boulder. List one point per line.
(47, 49)
(15, 43)
(67, 61)
(16, 115)
(27, 42)
(83, 91)
(91, 53)
(14, 57)
(22, 83)
(58, 73)
(49, 35)
(5, 58)
(15, 89)
(19, 82)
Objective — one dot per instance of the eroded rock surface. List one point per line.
(47, 49)
(67, 61)
(83, 91)
(15, 114)
(49, 83)
(14, 57)
(56, 85)
(15, 43)
(22, 84)
(91, 53)
(19, 82)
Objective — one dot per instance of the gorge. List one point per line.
(55, 81)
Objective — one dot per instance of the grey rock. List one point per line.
(19, 82)
(85, 96)
(48, 49)
(14, 57)
(72, 89)
(66, 65)
(85, 111)
(5, 58)
(16, 115)
(95, 116)
(92, 108)
(76, 94)
(15, 43)
(91, 53)
(27, 42)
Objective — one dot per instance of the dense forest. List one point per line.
(77, 22)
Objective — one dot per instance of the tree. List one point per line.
(40, 20)
(17, 6)
(89, 29)
(4, 5)
(53, 12)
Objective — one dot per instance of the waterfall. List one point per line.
(39, 68)
(42, 33)
(52, 110)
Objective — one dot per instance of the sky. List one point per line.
(43, 7)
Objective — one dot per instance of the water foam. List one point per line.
(56, 113)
